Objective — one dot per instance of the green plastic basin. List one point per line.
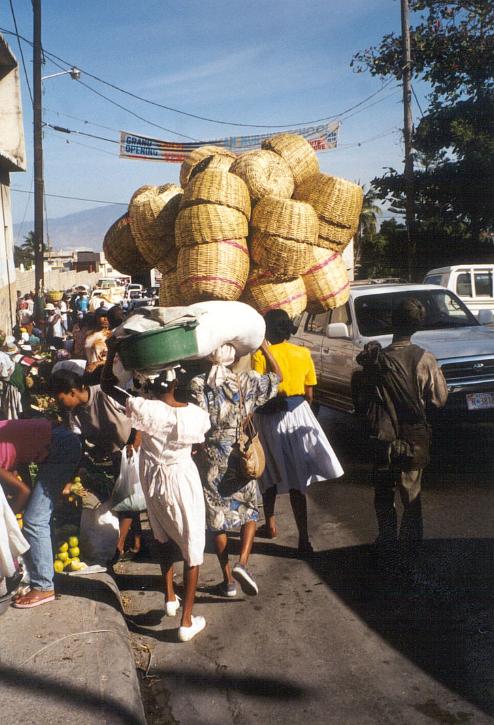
(157, 348)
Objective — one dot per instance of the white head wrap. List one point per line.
(7, 366)
(222, 358)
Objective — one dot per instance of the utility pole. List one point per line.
(408, 134)
(38, 160)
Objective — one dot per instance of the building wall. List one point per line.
(7, 269)
(55, 280)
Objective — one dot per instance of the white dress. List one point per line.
(297, 451)
(169, 476)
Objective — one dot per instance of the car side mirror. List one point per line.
(337, 329)
(485, 317)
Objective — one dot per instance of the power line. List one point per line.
(417, 101)
(74, 198)
(51, 56)
(61, 129)
(86, 146)
(20, 50)
(82, 120)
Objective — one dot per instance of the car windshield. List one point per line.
(443, 309)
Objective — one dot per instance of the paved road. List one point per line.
(331, 641)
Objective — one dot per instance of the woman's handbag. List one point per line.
(252, 460)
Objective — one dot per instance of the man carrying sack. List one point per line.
(393, 393)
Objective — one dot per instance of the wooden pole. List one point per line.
(38, 160)
(408, 137)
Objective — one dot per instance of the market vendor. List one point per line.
(104, 424)
(56, 451)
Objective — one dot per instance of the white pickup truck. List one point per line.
(463, 347)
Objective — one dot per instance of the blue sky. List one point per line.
(263, 61)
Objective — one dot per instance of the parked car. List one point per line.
(473, 283)
(463, 347)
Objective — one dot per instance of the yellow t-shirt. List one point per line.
(296, 365)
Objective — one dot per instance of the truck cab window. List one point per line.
(316, 324)
(341, 314)
(483, 284)
(464, 285)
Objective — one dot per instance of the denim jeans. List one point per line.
(57, 470)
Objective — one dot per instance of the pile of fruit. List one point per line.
(68, 557)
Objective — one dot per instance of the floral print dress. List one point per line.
(230, 501)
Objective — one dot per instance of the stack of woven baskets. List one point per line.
(208, 244)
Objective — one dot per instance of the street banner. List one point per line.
(136, 146)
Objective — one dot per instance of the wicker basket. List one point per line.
(170, 295)
(335, 200)
(334, 237)
(121, 251)
(297, 152)
(218, 187)
(168, 263)
(286, 218)
(264, 293)
(198, 155)
(209, 223)
(54, 296)
(265, 173)
(326, 280)
(152, 215)
(283, 258)
(217, 270)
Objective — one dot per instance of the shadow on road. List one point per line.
(443, 622)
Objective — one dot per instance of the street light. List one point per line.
(74, 73)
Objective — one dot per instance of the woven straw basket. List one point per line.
(198, 155)
(297, 152)
(168, 263)
(170, 295)
(286, 218)
(326, 280)
(54, 296)
(209, 223)
(120, 249)
(218, 187)
(283, 258)
(264, 293)
(152, 215)
(265, 173)
(338, 204)
(217, 270)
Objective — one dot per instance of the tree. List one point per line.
(453, 50)
(367, 227)
(25, 254)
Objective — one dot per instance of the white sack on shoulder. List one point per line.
(233, 323)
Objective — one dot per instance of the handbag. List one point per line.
(252, 460)
(127, 494)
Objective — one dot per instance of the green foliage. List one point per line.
(452, 50)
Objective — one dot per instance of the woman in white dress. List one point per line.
(297, 451)
(170, 480)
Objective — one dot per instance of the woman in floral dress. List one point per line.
(231, 502)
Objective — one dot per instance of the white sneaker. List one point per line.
(185, 634)
(172, 607)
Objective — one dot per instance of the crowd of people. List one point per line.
(186, 426)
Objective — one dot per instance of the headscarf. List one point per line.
(222, 358)
(7, 366)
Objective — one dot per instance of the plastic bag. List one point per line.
(127, 493)
(99, 534)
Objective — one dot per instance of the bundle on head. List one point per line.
(217, 270)
(215, 186)
(265, 173)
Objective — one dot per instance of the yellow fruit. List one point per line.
(83, 565)
(67, 564)
(76, 566)
(71, 499)
(73, 541)
(63, 547)
(77, 479)
(63, 556)
(75, 559)
(58, 566)
(74, 551)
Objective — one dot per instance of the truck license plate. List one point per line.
(480, 401)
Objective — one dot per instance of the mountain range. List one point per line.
(81, 229)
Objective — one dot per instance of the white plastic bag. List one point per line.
(99, 534)
(127, 493)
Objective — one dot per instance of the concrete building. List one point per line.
(12, 158)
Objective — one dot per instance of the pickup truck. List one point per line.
(463, 347)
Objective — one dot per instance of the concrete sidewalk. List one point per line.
(69, 661)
